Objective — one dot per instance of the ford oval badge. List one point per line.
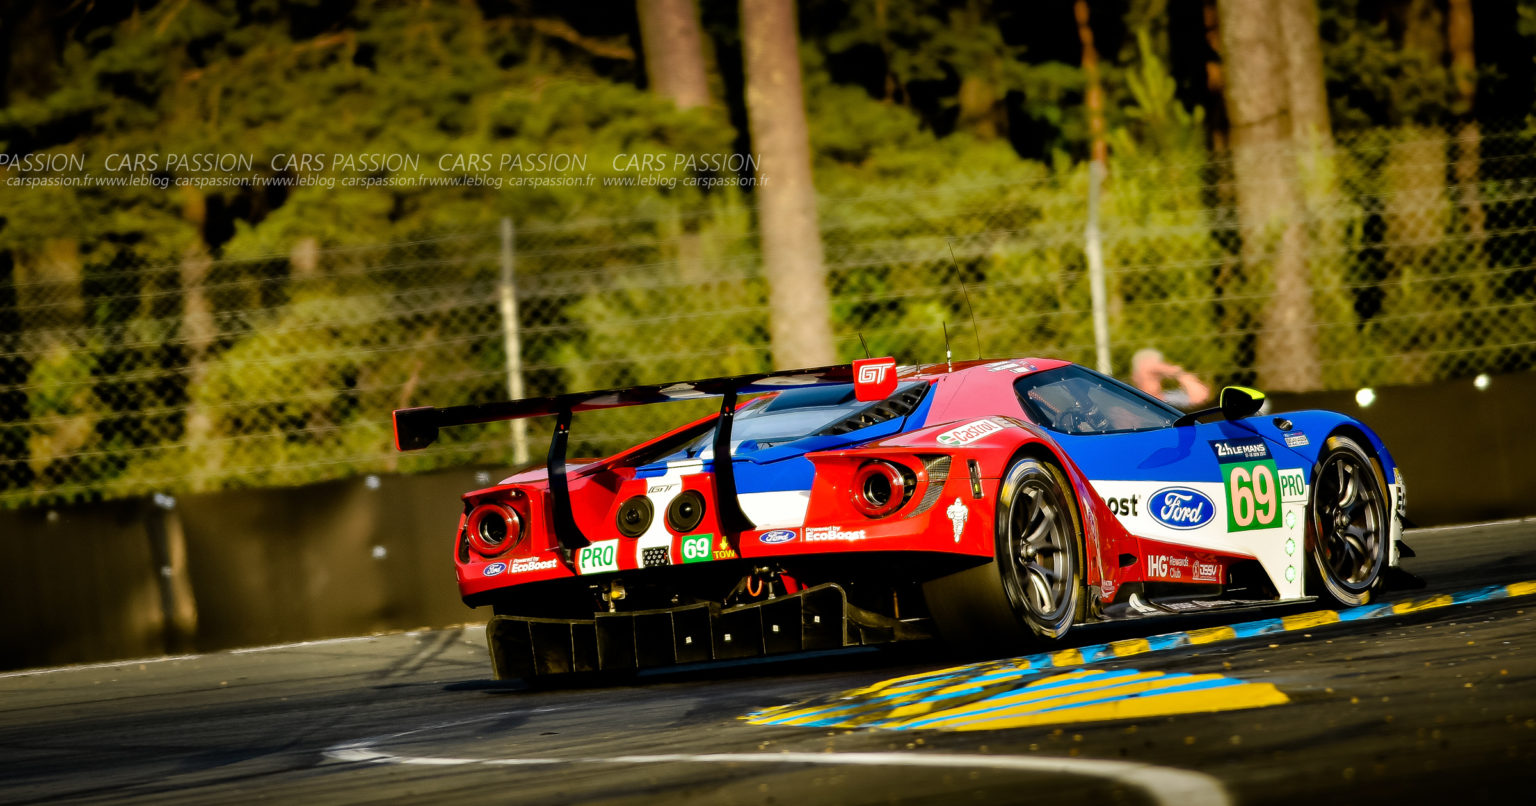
(1181, 508)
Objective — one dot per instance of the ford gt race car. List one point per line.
(986, 502)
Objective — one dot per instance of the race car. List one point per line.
(988, 503)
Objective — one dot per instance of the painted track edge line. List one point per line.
(1166, 786)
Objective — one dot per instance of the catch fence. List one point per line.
(1418, 250)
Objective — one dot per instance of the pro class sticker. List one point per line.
(598, 557)
(1293, 485)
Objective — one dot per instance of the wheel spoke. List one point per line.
(1042, 584)
(1350, 490)
(1038, 541)
(1356, 539)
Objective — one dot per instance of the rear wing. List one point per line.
(416, 428)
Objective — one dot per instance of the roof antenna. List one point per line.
(865, 345)
(975, 331)
(947, 362)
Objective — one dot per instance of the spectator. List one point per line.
(1150, 373)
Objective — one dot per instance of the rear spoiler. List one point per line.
(416, 428)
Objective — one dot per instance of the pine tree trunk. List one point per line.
(1303, 52)
(1094, 97)
(978, 107)
(981, 111)
(1468, 152)
(1322, 203)
(1311, 128)
(51, 311)
(801, 315)
(198, 331)
(1269, 197)
(674, 51)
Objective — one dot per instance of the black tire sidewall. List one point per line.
(1018, 474)
(1320, 576)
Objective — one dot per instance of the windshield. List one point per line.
(799, 413)
(1076, 400)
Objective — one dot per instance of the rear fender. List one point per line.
(994, 444)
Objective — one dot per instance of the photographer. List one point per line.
(1150, 373)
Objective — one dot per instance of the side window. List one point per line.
(1075, 400)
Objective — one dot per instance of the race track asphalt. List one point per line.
(1434, 706)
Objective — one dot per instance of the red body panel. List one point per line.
(976, 418)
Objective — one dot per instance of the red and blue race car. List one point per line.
(986, 502)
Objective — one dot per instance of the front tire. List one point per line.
(1350, 524)
(1033, 585)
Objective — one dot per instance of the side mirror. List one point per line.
(1238, 402)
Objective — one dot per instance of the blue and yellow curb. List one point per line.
(1013, 693)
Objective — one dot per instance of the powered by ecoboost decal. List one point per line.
(1181, 508)
(523, 564)
(1251, 482)
(598, 557)
(819, 533)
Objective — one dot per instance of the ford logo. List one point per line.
(777, 536)
(1181, 508)
(493, 569)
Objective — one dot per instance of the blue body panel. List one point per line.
(784, 467)
(1185, 454)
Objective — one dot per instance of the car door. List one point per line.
(1185, 492)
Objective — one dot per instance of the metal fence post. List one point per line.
(511, 342)
(1094, 248)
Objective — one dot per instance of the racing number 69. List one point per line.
(1253, 495)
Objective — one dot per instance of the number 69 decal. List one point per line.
(1253, 496)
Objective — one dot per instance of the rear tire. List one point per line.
(1033, 585)
(1350, 524)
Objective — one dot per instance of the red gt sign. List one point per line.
(874, 378)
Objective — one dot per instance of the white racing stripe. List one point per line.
(1163, 785)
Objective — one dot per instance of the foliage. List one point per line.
(197, 338)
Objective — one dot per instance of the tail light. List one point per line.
(493, 529)
(879, 489)
(634, 516)
(686, 512)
